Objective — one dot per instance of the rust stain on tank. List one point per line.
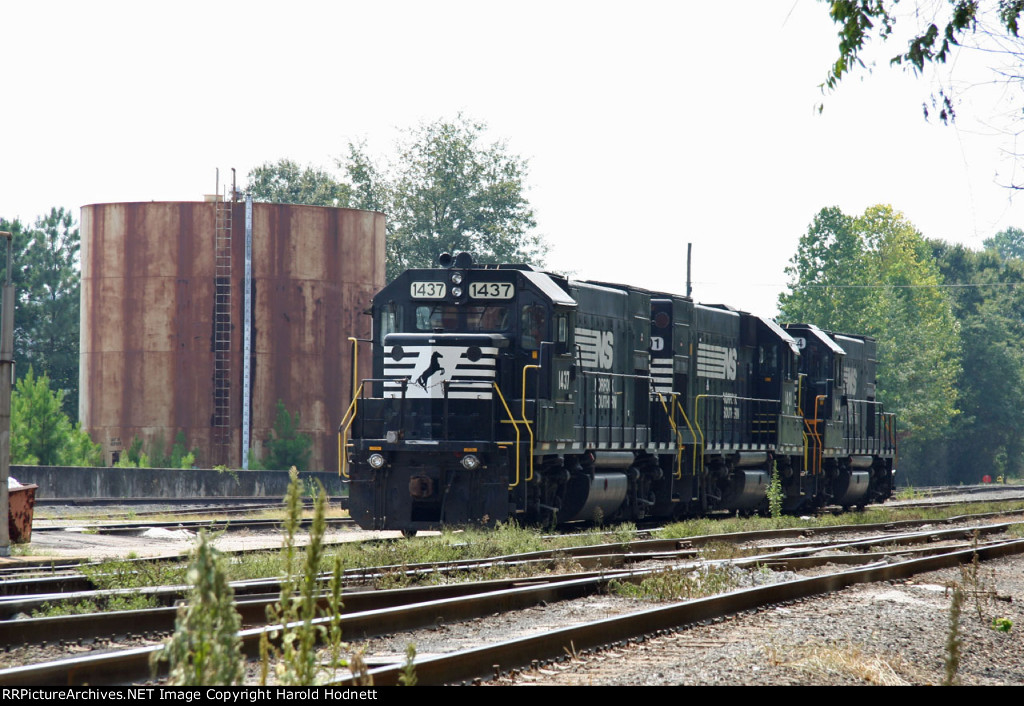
(148, 280)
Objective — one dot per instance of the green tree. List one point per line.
(40, 431)
(875, 275)
(19, 240)
(47, 280)
(828, 275)
(919, 339)
(36, 416)
(1008, 243)
(286, 182)
(80, 450)
(988, 301)
(449, 190)
(286, 447)
(180, 456)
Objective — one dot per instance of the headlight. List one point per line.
(470, 462)
(376, 461)
(456, 292)
(457, 278)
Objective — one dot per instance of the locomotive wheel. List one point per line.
(408, 533)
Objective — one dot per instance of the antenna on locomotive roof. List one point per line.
(689, 252)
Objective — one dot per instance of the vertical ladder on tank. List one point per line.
(222, 328)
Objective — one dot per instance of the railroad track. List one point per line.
(364, 620)
(491, 660)
(137, 528)
(201, 502)
(63, 582)
(254, 596)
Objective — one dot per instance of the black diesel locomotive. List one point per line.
(502, 392)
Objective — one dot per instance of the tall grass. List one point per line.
(290, 652)
(205, 649)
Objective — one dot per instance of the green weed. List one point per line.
(908, 493)
(294, 656)
(224, 469)
(951, 662)
(776, 495)
(679, 584)
(1002, 624)
(117, 573)
(205, 648)
(135, 601)
(408, 677)
(715, 551)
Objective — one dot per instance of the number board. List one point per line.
(427, 290)
(491, 290)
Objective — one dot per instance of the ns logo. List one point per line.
(597, 348)
(605, 349)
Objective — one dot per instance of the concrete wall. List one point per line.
(79, 482)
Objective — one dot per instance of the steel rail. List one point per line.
(37, 591)
(132, 528)
(252, 609)
(126, 666)
(129, 665)
(484, 661)
(159, 500)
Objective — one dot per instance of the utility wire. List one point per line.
(873, 286)
(907, 286)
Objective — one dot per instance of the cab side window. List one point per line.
(389, 321)
(532, 326)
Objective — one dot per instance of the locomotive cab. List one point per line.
(821, 372)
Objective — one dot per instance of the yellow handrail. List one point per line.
(818, 400)
(355, 362)
(693, 433)
(515, 424)
(696, 417)
(350, 416)
(675, 430)
(342, 461)
(810, 433)
(524, 420)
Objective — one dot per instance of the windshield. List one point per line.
(464, 319)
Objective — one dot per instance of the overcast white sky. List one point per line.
(647, 125)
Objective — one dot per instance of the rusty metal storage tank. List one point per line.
(162, 332)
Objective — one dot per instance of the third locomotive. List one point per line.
(501, 392)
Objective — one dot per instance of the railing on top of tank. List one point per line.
(866, 428)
